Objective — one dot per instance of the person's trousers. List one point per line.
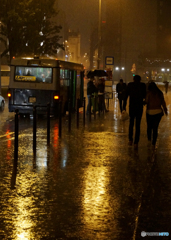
(89, 104)
(152, 126)
(135, 117)
(121, 104)
(101, 103)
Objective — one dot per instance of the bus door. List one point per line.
(81, 88)
(72, 90)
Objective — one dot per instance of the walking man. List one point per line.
(91, 88)
(166, 84)
(136, 91)
(121, 89)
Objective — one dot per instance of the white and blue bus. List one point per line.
(39, 81)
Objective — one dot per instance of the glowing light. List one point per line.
(8, 136)
(27, 58)
(21, 236)
(56, 97)
(117, 68)
(163, 69)
(9, 94)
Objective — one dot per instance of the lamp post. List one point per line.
(0, 62)
(99, 35)
(0, 72)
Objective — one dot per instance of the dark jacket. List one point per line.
(101, 87)
(136, 91)
(121, 90)
(91, 88)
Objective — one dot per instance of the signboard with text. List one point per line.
(109, 60)
(108, 89)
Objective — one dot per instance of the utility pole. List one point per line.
(0, 72)
(99, 35)
(0, 61)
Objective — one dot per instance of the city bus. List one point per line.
(38, 81)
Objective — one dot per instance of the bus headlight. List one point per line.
(56, 97)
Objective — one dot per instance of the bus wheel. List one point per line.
(2, 106)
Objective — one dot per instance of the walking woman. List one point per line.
(155, 107)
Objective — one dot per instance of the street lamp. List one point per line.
(0, 62)
(99, 35)
(0, 72)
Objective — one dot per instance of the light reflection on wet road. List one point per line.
(87, 185)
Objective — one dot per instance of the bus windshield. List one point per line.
(33, 74)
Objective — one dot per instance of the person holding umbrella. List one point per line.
(91, 89)
(101, 92)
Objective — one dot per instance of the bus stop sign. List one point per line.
(109, 60)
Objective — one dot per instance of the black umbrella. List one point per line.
(90, 74)
(100, 73)
(97, 73)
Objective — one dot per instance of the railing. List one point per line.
(98, 105)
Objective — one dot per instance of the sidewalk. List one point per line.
(89, 184)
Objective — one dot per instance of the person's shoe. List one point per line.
(130, 143)
(135, 146)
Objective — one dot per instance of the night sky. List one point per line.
(81, 15)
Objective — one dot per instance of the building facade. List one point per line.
(132, 32)
(74, 46)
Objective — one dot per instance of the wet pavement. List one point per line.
(87, 185)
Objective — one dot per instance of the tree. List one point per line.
(28, 27)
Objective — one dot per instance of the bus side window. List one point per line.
(61, 82)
